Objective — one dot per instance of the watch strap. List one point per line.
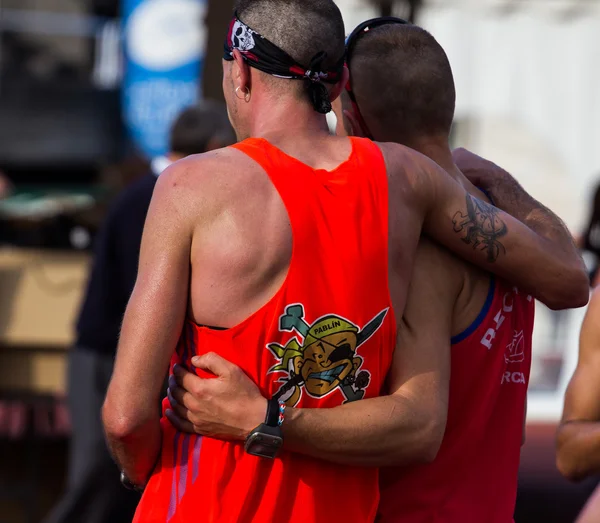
(272, 418)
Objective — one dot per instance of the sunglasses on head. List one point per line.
(351, 41)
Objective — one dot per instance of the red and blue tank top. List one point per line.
(474, 476)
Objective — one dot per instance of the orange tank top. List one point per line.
(324, 339)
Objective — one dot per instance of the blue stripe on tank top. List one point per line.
(480, 317)
(173, 499)
(183, 467)
(196, 458)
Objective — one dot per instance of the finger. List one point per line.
(178, 396)
(183, 412)
(188, 381)
(171, 397)
(180, 424)
(213, 363)
(179, 372)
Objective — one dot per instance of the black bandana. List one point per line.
(268, 58)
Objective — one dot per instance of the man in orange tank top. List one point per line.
(458, 322)
(267, 240)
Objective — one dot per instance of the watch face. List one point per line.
(263, 445)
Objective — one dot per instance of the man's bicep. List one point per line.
(156, 309)
(421, 363)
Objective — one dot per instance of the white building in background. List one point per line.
(527, 76)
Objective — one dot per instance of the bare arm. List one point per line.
(151, 326)
(508, 195)
(404, 427)
(486, 236)
(407, 426)
(578, 436)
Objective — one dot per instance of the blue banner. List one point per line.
(164, 44)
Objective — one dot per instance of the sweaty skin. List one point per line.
(408, 424)
(217, 246)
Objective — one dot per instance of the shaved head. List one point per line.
(301, 28)
(403, 84)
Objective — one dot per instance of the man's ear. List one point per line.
(353, 127)
(339, 86)
(240, 72)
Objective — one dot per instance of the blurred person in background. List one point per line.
(94, 493)
(578, 435)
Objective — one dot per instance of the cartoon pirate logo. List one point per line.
(326, 360)
(515, 350)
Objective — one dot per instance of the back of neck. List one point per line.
(288, 117)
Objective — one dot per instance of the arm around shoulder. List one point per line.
(480, 233)
(407, 426)
(511, 197)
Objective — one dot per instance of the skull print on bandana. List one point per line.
(242, 36)
(260, 53)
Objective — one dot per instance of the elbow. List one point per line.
(572, 292)
(566, 461)
(568, 468)
(429, 439)
(117, 427)
(120, 422)
(433, 441)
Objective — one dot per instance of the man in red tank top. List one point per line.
(286, 245)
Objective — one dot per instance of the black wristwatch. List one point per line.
(266, 439)
(126, 482)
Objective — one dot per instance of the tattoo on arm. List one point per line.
(482, 227)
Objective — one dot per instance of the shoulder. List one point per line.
(206, 183)
(218, 168)
(398, 158)
(403, 162)
(411, 174)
